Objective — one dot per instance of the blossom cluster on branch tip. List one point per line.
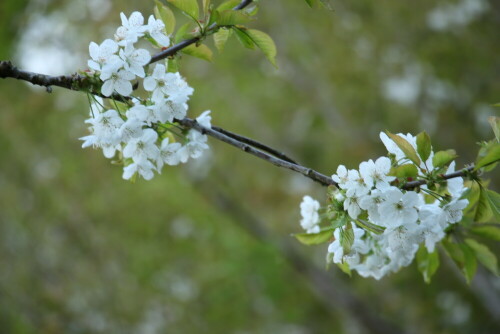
(377, 225)
(143, 130)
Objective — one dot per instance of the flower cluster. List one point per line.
(377, 226)
(142, 131)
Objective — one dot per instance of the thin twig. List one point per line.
(171, 51)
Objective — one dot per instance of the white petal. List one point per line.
(107, 88)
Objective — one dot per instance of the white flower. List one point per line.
(351, 205)
(155, 29)
(356, 184)
(342, 176)
(167, 111)
(194, 148)
(375, 173)
(399, 209)
(359, 246)
(454, 210)
(134, 60)
(394, 149)
(131, 29)
(204, 119)
(102, 54)
(132, 128)
(164, 84)
(371, 204)
(432, 225)
(143, 167)
(168, 153)
(309, 212)
(455, 185)
(105, 129)
(116, 79)
(402, 244)
(143, 147)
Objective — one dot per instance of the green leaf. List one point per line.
(484, 255)
(220, 38)
(165, 14)
(310, 2)
(199, 51)
(483, 211)
(366, 225)
(495, 125)
(206, 6)
(486, 231)
(404, 171)
(314, 238)
(428, 263)
(182, 32)
(263, 42)
(228, 5)
(345, 268)
(188, 7)
(492, 155)
(346, 238)
(406, 147)
(172, 65)
(464, 258)
(424, 146)
(244, 39)
(494, 201)
(232, 17)
(443, 158)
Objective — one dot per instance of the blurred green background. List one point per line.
(205, 248)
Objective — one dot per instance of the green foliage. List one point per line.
(230, 4)
(489, 154)
(404, 171)
(443, 158)
(428, 263)
(221, 37)
(346, 238)
(314, 238)
(484, 255)
(200, 51)
(495, 125)
(487, 231)
(232, 17)
(463, 256)
(406, 147)
(424, 146)
(188, 7)
(263, 41)
(165, 14)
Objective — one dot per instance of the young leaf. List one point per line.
(404, 171)
(366, 225)
(483, 210)
(182, 32)
(232, 17)
(314, 238)
(201, 51)
(228, 5)
(494, 201)
(189, 7)
(495, 125)
(310, 2)
(220, 38)
(424, 147)
(345, 268)
(206, 6)
(491, 156)
(244, 39)
(406, 147)
(464, 258)
(346, 238)
(165, 14)
(484, 255)
(263, 42)
(487, 231)
(443, 158)
(428, 263)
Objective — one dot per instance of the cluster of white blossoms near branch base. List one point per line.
(377, 226)
(141, 130)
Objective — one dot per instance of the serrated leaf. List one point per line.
(220, 38)
(494, 201)
(244, 39)
(228, 5)
(443, 158)
(182, 32)
(201, 51)
(424, 146)
(483, 210)
(314, 238)
(404, 171)
(428, 263)
(188, 7)
(232, 17)
(495, 125)
(484, 255)
(165, 14)
(492, 155)
(346, 238)
(406, 147)
(263, 42)
(486, 231)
